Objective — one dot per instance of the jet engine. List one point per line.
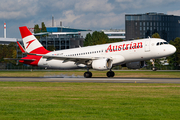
(135, 65)
(102, 64)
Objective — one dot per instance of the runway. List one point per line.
(94, 80)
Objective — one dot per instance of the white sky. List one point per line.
(84, 14)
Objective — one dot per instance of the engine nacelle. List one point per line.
(102, 64)
(135, 65)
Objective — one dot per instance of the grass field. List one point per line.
(145, 74)
(87, 101)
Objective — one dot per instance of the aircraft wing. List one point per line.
(81, 59)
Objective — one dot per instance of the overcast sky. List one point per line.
(84, 14)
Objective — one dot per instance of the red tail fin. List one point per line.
(31, 44)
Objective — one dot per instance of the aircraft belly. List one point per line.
(137, 55)
(58, 64)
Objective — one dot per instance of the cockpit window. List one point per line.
(165, 42)
(162, 43)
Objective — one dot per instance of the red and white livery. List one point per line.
(99, 57)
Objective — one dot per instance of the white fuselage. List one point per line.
(120, 53)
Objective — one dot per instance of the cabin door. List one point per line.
(147, 46)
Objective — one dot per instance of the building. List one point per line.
(144, 25)
(62, 38)
(63, 29)
(115, 33)
(61, 41)
(7, 41)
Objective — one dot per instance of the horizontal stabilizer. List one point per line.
(19, 59)
(20, 46)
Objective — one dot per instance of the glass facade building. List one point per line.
(62, 38)
(144, 25)
(62, 41)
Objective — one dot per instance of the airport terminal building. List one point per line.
(144, 25)
(62, 38)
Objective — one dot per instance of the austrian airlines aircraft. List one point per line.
(99, 57)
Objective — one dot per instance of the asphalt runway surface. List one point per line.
(93, 80)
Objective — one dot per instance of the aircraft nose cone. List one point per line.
(172, 49)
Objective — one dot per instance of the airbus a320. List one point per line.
(131, 54)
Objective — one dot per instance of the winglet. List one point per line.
(20, 46)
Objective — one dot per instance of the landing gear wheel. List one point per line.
(87, 74)
(154, 69)
(110, 74)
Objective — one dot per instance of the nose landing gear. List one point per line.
(152, 61)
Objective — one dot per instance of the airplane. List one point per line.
(131, 54)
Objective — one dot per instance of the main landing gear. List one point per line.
(89, 74)
(110, 74)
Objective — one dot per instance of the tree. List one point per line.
(96, 38)
(174, 60)
(36, 29)
(114, 40)
(88, 40)
(43, 27)
(156, 35)
(99, 38)
(8, 51)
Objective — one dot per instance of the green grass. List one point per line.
(144, 74)
(105, 101)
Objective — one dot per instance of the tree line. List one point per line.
(98, 38)
(8, 51)
(174, 60)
